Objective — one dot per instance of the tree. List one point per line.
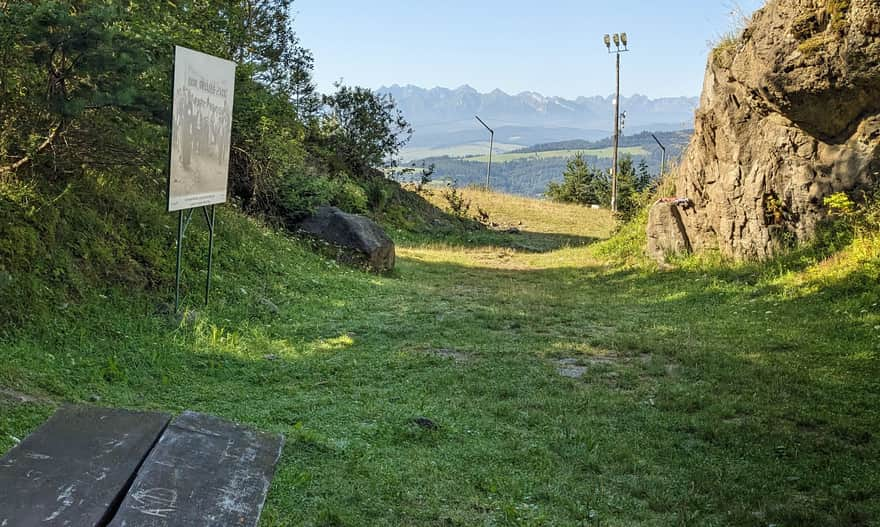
(581, 184)
(61, 63)
(632, 182)
(300, 64)
(588, 185)
(364, 127)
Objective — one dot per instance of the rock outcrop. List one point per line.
(790, 113)
(666, 231)
(357, 239)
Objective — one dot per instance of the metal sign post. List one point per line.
(183, 221)
(201, 132)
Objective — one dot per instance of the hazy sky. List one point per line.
(552, 46)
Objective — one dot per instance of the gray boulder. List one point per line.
(358, 239)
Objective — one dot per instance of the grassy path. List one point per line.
(689, 397)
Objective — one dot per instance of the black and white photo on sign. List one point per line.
(201, 129)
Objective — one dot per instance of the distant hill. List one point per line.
(444, 121)
(673, 141)
(527, 171)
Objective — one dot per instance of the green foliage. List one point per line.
(839, 204)
(302, 192)
(459, 206)
(88, 82)
(587, 185)
(581, 184)
(364, 127)
(632, 185)
(378, 193)
(838, 11)
(60, 241)
(627, 245)
(64, 66)
(857, 218)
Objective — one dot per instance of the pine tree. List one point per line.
(581, 184)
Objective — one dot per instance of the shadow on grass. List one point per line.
(770, 416)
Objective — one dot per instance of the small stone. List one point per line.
(270, 356)
(570, 368)
(448, 353)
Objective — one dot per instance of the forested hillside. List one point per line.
(528, 171)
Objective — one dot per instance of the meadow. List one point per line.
(530, 378)
(601, 153)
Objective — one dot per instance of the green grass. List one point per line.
(602, 153)
(463, 150)
(713, 395)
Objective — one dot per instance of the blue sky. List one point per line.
(553, 47)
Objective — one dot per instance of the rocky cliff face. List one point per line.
(790, 113)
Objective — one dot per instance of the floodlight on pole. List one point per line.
(491, 146)
(618, 38)
(663, 158)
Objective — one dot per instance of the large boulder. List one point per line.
(359, 240)
(790, 113)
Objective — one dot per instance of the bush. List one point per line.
(860, 218)
(588, 185)
(581, 184)
(303, 192)
(379, 193)
(458, 205)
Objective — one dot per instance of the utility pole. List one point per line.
(491, 146)
(663, 159)
(618, 38)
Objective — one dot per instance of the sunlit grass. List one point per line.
(711, 394)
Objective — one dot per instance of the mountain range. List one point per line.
(444, 122)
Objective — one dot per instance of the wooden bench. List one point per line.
(93, 467)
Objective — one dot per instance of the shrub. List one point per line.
(458, 205)
(588, 185)
(302, 192)
(581, 184)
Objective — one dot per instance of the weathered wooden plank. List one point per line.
(75, 468)
(203, 471)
